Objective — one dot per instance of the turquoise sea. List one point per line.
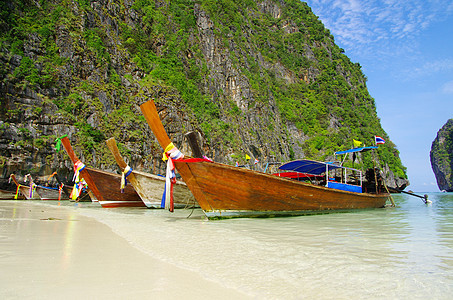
(404, 252)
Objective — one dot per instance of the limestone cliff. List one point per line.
(441, 156)
(257, 78)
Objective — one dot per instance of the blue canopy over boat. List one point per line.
(318, 168)
(361, 149)
(308, 166)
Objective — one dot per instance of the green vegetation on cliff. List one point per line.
(286, 62)
(441, 156)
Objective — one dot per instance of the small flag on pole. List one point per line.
(237, 164)
(356, 143)
(379, 140)
(256, 161)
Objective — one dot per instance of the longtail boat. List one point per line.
(47, 192)
(28, 191)
(224, 191)
(9, 195)
(104, 185)
(51, 193)
(150, 187)
(66, 190)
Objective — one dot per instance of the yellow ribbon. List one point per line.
(17, 192)
(168, 148)
(127, 171)
(78, 166)
(75, 192)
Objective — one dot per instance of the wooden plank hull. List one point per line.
(25, 190)
(224, 191)
(85, 196)
(108, 184)
(150, 187)
(50, 194)
(8, 195)
(105, 186)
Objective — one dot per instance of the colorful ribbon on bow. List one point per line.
(26, 176)
(58, 140)
(77, 189)
(60, 189)
(17, 192)
(32, 188)
(78, 166)
(127, 171)
(171, 153)
(18, 187)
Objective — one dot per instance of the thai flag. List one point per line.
(379, 140)
(256, 161)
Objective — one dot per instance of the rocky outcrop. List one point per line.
(441, 156)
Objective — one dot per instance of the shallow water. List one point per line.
(402, 252)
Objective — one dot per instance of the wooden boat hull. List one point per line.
(85, 196)
(105, 186)
(8, 195)
(25, 190)
(224, 191)
(50, 194)
(108, 184)
(151, 188)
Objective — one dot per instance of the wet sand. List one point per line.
(56, 253)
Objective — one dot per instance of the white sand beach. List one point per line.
(52, 252)
(81, 250)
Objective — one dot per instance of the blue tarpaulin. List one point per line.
(308, 166)
(318, 168)
(344, 187)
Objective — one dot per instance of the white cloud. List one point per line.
(432, 67)
(447, 88)
(367, 25)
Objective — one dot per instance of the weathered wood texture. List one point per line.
(50, 194)
(221, 188)
(150, 187)
(226, 191)
(9, 195)
(105, 185)
(25, 189)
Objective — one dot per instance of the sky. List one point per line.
(405, 49)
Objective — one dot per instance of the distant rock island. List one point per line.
(441, 156)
